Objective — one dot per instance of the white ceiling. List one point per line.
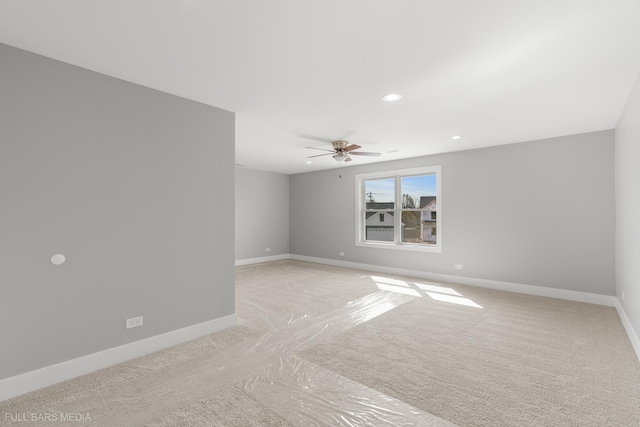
(495, 71)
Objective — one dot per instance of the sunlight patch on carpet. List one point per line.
(453, 299)
(393, 288)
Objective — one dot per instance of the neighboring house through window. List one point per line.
(400, 209)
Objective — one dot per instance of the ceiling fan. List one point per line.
(342, 150)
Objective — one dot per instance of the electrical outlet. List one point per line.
(458, 266)
(341, 253)
(268, 250)
(134, 322)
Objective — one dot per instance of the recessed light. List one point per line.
(392, 97)
(456, 137)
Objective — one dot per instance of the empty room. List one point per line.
(337, 213)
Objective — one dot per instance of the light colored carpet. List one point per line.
(517, 361)
(325, 346)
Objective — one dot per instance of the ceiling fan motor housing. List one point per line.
(340, 145)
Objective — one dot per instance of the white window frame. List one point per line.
(397, 243)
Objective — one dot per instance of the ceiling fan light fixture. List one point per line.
(392, 97)
(339, 157)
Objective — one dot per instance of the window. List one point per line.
(400, 209)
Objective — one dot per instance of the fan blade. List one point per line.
(315, 138)
(345, 136)
(320, 155)
(364, 153)
(323, 149)
(352, 147)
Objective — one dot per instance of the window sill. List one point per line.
(401, 247)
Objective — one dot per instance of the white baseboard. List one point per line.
(607, 300)
(628, 327)
(248, 261)
(30, 381)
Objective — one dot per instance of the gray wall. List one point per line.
(133, 185)
(262, 213)
(627, 154)
(536, 213)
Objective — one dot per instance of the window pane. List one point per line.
(416, 228)
(379, 193)
(379, 226)
(418, 191)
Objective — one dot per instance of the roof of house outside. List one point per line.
(370, 214)
(380, 205)
(425, 200)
